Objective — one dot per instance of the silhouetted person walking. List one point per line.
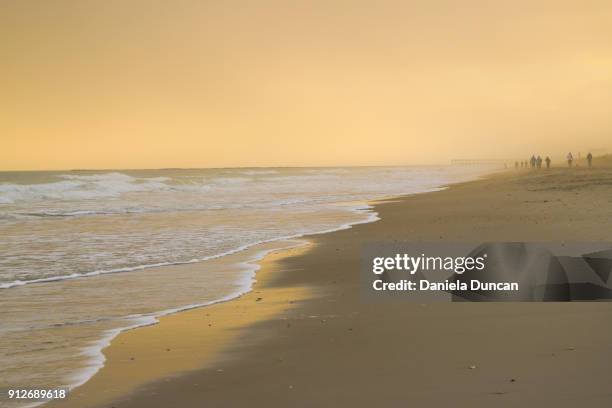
(547, 160)
(570, 159)
(539, 162)
(590, 159)
(532, 162)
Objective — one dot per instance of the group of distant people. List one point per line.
(536, 162)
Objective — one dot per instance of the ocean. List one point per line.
(87, 254)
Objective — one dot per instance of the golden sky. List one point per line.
(149, 84)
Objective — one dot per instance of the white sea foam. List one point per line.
(359, 209)
(95, 351)
(269, 205)
(76, 187)
(110, 185)
(62, 227)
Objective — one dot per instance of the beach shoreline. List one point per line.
(89, 255)
(312, 293)
(134, 357)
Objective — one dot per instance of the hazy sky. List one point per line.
(142, 84)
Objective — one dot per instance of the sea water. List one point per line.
(86, 254)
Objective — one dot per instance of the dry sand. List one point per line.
(310, 340)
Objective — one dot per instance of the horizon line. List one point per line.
(219, 168)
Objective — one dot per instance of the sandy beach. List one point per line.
(303, 337)
(305, 204)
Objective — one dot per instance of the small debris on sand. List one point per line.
(258, 299)
(472, 367)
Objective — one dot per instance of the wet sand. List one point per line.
(305, 338)
(148, 353)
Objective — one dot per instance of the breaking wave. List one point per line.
(79, 187)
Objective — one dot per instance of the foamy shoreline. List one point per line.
(335, 340)
(252, 265)
(359, 210)
(95, 351)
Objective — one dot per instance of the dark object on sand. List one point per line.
(540, 274)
